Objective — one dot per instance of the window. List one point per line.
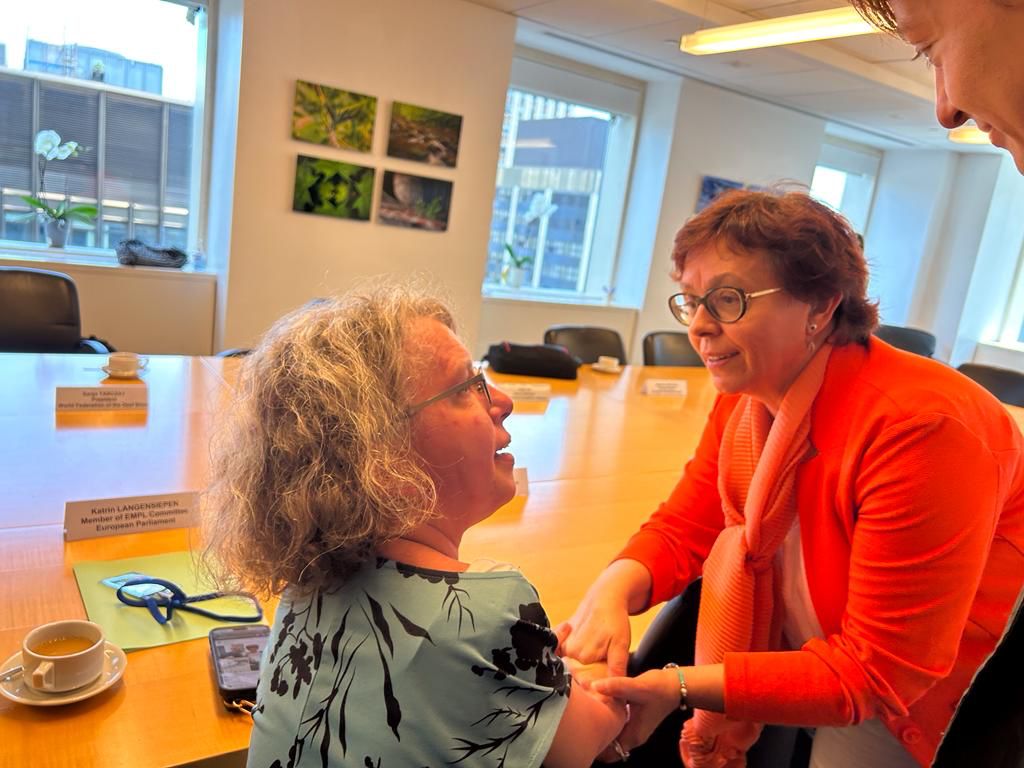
(119, 77)
(566, 148)
(1012, 331)
(844, 179)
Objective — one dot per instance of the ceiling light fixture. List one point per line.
(786, 30)
(968, 133)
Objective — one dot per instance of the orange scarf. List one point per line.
(757, 466)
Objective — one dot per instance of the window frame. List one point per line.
(199, 161)
(853, 159)
(547, 76)
(1012, 326)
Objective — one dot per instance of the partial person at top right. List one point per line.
(974, 48)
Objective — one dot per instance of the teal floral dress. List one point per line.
(404, 666)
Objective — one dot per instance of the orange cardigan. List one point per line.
(912, 528)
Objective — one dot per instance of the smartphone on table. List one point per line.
(237, 653)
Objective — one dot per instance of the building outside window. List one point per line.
(121, 78)
(555, 205)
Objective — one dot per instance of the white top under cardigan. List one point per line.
(868, 744)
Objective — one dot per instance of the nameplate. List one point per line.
(673, 387)
(127, 398)
(130, 514)
(527, 391)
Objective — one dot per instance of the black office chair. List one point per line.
(587, 342)
(1006, 385)
(670, 348)
(40, 313)
(909, 339)
(988, 727)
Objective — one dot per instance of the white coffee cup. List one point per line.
(607, 361)
(126, 363)
(62, 655)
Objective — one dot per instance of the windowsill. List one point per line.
(91, 258)
(1006, 346)
(1001, 354)
(540, 296)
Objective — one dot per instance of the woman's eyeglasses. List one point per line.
(476, 383)
(724, 303)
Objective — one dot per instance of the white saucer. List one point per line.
(15, 689)
(603, 369)
(120, 374)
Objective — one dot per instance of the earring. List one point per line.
(812, 327)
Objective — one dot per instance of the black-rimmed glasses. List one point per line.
(477, 383)
(724, 303)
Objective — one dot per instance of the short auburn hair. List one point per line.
(813, 250)
(878, 13)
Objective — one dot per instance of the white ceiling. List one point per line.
(861, 84)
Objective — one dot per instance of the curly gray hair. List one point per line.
(314, 468)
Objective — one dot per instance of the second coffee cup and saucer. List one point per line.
(125, 365)
(41, 678)
(607, 364)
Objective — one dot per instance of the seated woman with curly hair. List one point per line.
(362, 445)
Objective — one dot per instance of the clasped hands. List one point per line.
(648, 699)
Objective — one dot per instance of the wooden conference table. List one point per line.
(599, 454)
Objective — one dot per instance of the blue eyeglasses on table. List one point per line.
(177, 599)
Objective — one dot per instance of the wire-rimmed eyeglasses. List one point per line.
(724, 303)
(476, 382)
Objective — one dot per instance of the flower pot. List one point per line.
(57, 232)
(516, 276)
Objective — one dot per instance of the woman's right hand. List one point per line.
(599, 629)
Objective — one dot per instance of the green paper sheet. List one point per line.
(135, 628)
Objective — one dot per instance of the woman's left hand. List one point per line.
(652, 697)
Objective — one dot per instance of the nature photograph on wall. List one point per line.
(331, 116)
(711, 187)
(425, 135)
(415, 201)
(331, 188)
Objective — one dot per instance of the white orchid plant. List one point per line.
(48, 147)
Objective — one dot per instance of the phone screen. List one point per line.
(237, 652)
(139, 590)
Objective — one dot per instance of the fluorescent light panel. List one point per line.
(786, 30)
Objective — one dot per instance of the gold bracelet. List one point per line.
(683, 705)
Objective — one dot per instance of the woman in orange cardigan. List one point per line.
(857, 512)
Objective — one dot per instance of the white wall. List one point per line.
(941, 287)
(524, 322)
(446, 54)
(994, 271)
(141, 309)
(649, 182)
(723, 134)
(911, 200)
(943, 244)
